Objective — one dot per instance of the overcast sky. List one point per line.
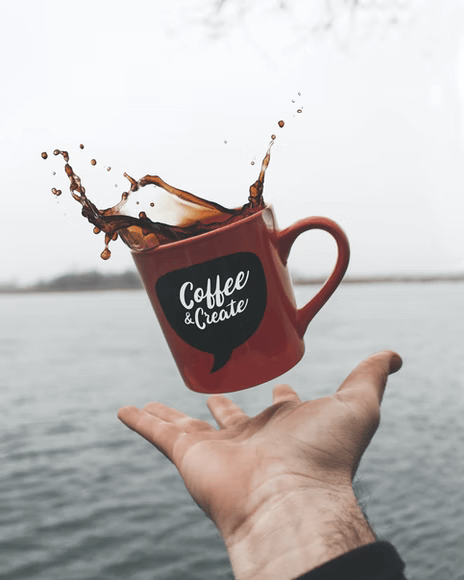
(147, 88)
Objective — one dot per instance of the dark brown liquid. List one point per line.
(195, 215)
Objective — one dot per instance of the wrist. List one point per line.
(295, 531)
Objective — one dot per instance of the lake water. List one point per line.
(84, 498)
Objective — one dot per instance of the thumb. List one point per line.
(371, 375)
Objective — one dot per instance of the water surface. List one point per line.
(83, 498)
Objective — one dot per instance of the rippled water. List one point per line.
(82, 497)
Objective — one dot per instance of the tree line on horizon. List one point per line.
(94, 281)
(80, 282)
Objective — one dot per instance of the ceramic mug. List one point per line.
(225, 301)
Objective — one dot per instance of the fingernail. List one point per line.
(396, 362)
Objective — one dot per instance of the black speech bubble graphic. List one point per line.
(217, 305)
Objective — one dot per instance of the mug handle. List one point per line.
(285, 240)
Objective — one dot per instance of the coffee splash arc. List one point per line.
(194, 215)
(217, 305)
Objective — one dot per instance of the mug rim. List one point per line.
(178, 243)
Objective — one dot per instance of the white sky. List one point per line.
(378, 147)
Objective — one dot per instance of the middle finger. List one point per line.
(225, 411)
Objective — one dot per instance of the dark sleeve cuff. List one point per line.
(376, 561)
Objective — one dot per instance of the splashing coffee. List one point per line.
(189, 214)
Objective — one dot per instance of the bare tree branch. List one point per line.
(305, 18)
(226, 14)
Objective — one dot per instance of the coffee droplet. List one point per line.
(299, 94)
(93, 162)
(142, 215)
(300, 111)
(44, 155)
(96, 230)
(81, 146)
(281, 123)
(63, 153)
(152, 204)
(252, 162)
(108, 169)
(225, 142)
(106, 254)
(54, 173)
(273, 137)
(56, 192)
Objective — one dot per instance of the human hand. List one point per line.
(279, 485)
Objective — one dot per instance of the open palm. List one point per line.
(231, 472)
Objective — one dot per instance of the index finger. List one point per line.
(162, 434)
(370, 377)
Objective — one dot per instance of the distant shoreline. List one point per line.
(393, 279)
(84, 282)
(94, 282)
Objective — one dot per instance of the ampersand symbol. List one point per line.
(188, 318)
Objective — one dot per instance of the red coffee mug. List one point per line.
(225, 301)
